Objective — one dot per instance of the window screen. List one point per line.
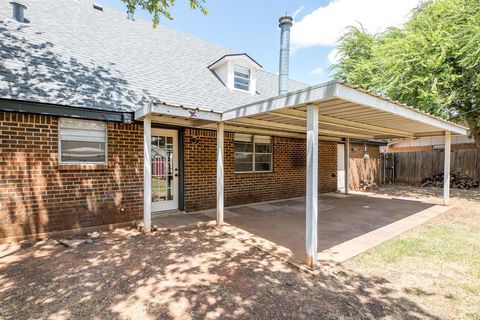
(82, 141)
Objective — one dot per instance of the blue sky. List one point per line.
(252, 26)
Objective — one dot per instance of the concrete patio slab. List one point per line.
(347, 226)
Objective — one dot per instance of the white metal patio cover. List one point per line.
(333, 110)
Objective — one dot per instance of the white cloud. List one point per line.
(326, 24)
(333, 56)
(317, 71)
(297, 12)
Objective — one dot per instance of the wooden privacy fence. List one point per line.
(361, 168)
(412, 167)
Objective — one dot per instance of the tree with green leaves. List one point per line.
(161, 8)
(432, 62)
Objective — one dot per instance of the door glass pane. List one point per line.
(158, 189)
(161, 142)
(163, 174)
(155, 148)
(162, 187)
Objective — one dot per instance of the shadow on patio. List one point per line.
(342, 219)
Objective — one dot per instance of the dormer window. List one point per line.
(241, 79)
(237, 72)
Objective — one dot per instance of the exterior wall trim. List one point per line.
(64, 111)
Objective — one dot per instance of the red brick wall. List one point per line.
(39, 195)
(287, 179)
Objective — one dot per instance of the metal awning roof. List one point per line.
(344, 111)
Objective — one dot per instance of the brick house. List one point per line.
(105, 120)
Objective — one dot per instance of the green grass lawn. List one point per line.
(437, 266)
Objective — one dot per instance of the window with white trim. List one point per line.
(82, 141)
(241, 78)
(253, 153)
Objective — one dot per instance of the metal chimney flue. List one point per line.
(18, 11)
(285, 23)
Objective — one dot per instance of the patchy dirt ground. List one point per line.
(436, 265)
(200, 274)
(196, 274)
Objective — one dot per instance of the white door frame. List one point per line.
(167, 205)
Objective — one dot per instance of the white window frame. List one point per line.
(253, 138)
(80, 162)
(249, 78)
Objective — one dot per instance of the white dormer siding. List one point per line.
(246, 68)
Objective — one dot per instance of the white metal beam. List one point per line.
(312, 186)
(147, 173)
(295, 128)
(446, 169)
(220, 172)
(241, 128)
(175, 121)
(295, 98)
(347, 165)
(176, 111)
(300, 115)
(366, 99)
(263, 131)
(340, 91)
(269, 124)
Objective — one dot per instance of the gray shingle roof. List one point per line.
(72, 54)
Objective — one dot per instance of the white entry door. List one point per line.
(164, 170)
(340, 167)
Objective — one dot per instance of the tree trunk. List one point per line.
(474, 126)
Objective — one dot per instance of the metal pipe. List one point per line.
(285, 23)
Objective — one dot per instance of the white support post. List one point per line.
(446, 168)
(312, 186)
(147, 173)
(347, 165)
(220, 156)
